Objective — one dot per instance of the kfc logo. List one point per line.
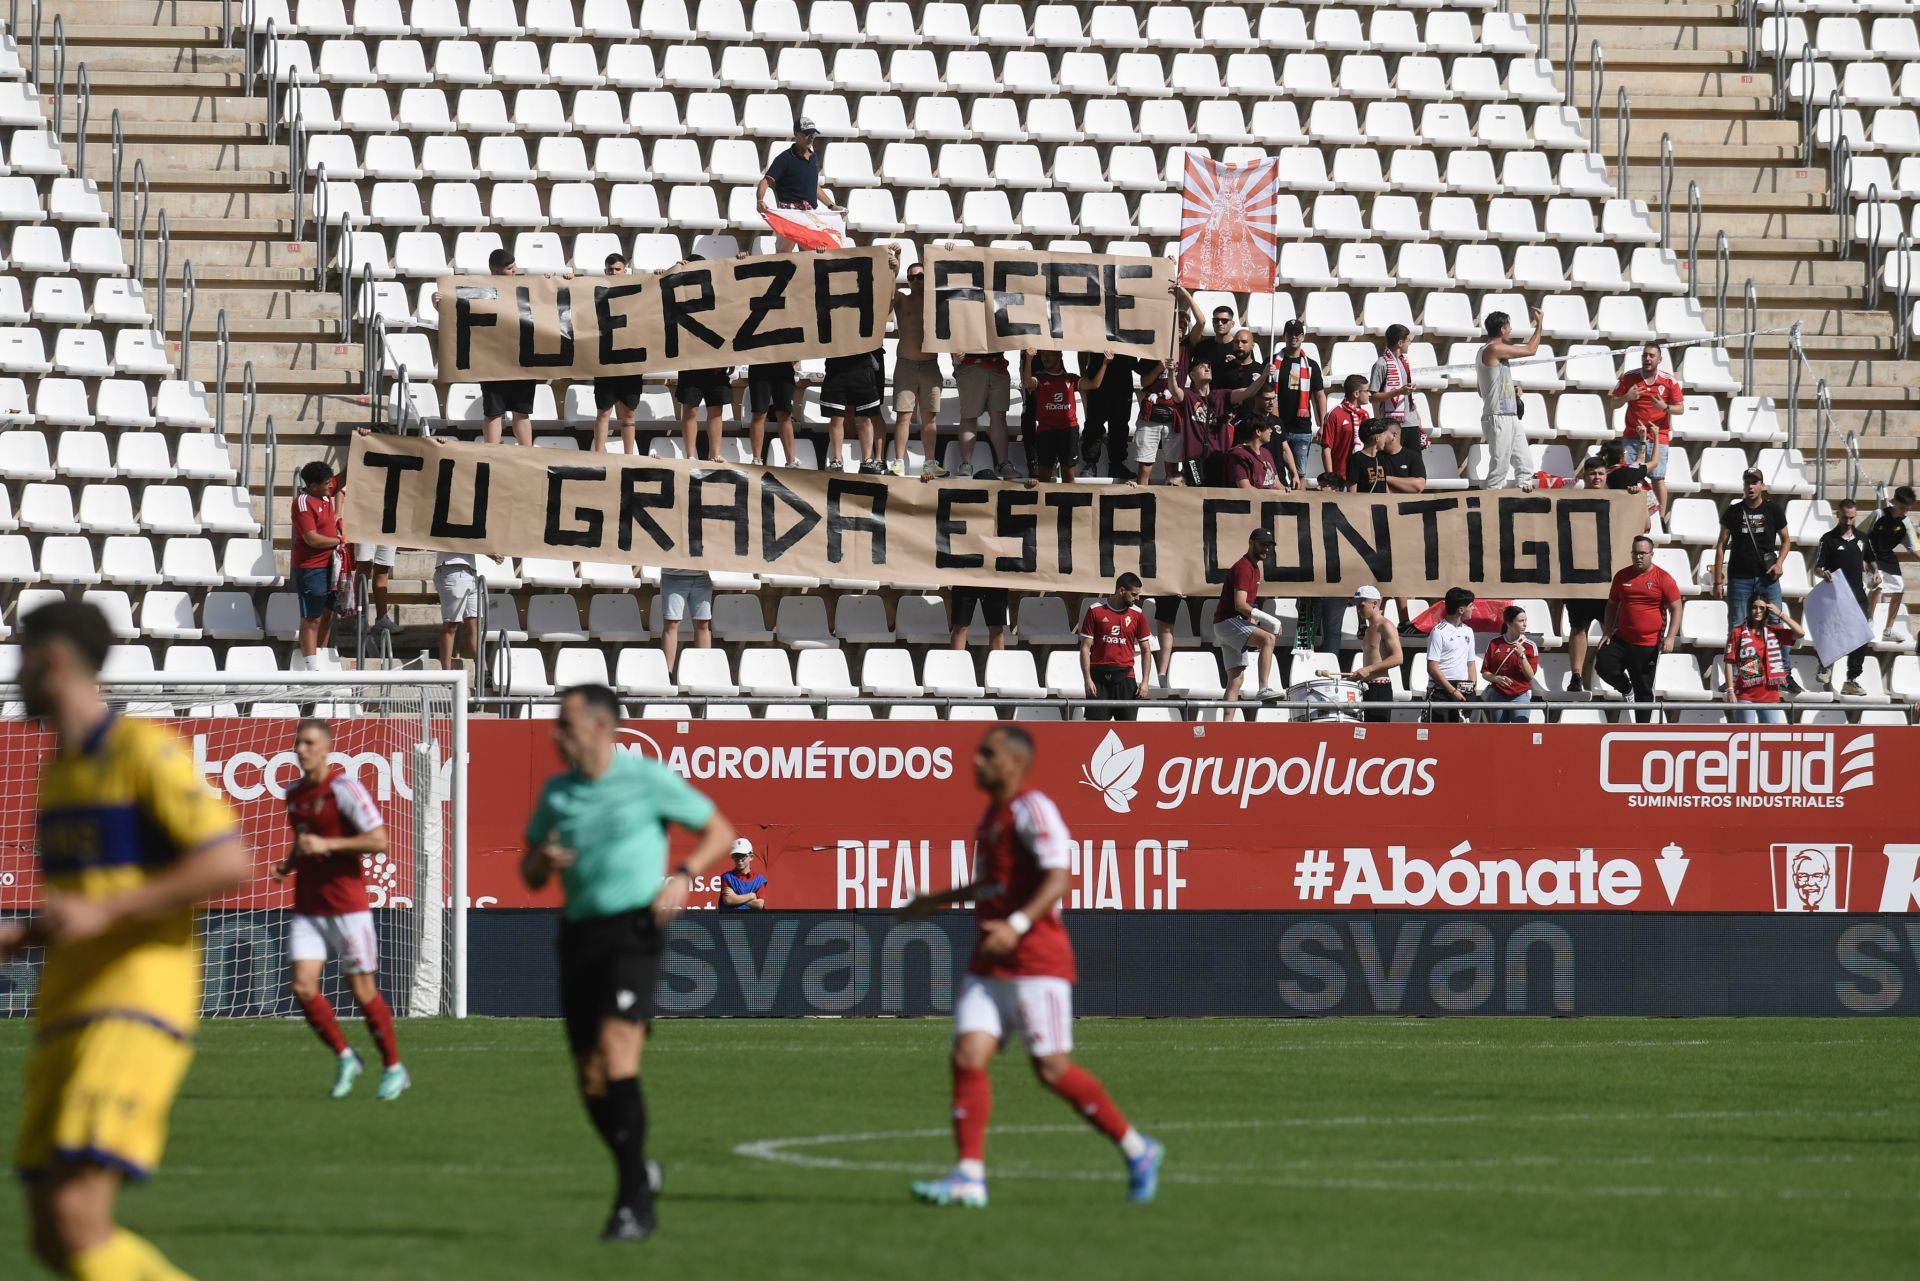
(1811, 878)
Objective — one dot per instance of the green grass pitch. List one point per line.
(1342, 1148)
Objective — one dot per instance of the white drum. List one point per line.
(1329, 699)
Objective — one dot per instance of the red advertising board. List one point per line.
(1207, 816)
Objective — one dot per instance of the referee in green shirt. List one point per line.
(602, 824)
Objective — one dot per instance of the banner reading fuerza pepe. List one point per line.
(672, 514)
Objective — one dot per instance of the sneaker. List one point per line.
(1852, 690)
(872, 467)
(387, 623)
(934, 471)
(1575, 685)
(347, 1073)
(393, 1083)
(833, 464)
(1143, 1173)
(629, 1224)
(656, 1177)
(894, 468)
(1892, 636)
(986, 473)
(1008, 471)
(969, 1194)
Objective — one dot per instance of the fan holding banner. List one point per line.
(803, 214)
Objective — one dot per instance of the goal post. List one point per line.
(402, 734)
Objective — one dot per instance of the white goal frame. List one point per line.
(301, 688)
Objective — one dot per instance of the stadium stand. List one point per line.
(320, 164)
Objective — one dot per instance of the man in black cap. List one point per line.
(794, 177)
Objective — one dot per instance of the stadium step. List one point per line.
(163, 14)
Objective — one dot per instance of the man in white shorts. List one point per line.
(335, 823)
(1239, 627)
(457, 584)
(376, 561)
(1157, 439)
(1021, 978)
(685, 594)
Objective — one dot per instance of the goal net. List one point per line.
(401, 734)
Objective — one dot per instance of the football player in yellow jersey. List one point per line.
(131, 842)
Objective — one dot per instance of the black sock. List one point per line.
(621, 1118)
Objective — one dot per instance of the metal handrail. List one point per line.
(1543, 45)
(119, 157)
(273, 85)
(1570, 40)
(1695, 219)
(59, 74)
(320, 225)
(366, 296)
(345, 271)
(374, 353)
(163, 240)
(249, 398)
(1840, 178)
(247, 58)
(271, 484)
(403, 398)
(1796, 373)
(297, 169)
(1837, 141)
(1623, 128)
(1722, 268)
(1873, 244)
(1752, 21)
(33, 12)
(1779, 65)
(142, 196)
(1749, 322)
(1666, 191)
(1823, 418)
(1851, 448)
(82, 113)
(1596, 77)
(226, 23)
(1903, 298)
(1807, 69)
(222, 356)
(188, 295)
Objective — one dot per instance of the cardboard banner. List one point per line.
(708, 314)
(1277, 817)
(624, 510)
(988, 300)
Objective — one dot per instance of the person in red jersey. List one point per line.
(1021, 976)
(1641, 623)
(334, 823)
(1115, 641)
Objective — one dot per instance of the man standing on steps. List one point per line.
(1509, 465)
(794, 179)
(509, 396)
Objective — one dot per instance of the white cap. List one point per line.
(1366, 592)
(741, 845)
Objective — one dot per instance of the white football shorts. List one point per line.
(1039, 1009)
(348, 938)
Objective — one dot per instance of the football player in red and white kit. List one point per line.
(334, 823)
(1021, 977)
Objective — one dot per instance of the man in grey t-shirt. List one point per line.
(1509, 466)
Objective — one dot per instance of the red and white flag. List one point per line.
(808, 228)
(1227, 233)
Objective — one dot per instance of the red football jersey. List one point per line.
(331, 885)
(1014, 848)
(1116, 634)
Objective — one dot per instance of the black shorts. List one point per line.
(1377, 692)
(513, 397)
(1582, 614)
(1059, 448)
(770, 389)
(608, 392)
(1167, 608)
(990, 601)
(609, 967)
(710, 387)
(853, 391)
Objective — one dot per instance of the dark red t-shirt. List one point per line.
(1644, 413)
(1641, 618)
(1341, 433)
(320, 516)
(1242, 575)
(1116, 634)
(330, 884)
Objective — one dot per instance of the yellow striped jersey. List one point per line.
(114, 811)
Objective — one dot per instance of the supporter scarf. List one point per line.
(1398, 377)
(1755, 660)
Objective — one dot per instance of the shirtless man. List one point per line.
(1379, 653)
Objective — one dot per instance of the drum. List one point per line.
(1329, 699)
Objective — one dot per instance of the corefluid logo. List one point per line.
(1735, 769)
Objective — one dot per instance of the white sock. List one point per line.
(974, 1170)
(346, 1054)
(1132, 1144)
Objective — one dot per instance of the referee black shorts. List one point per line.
(609, 967)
